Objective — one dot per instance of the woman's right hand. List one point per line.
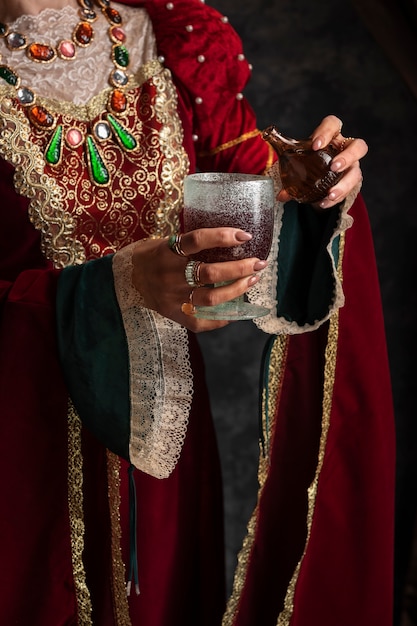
(158, 274)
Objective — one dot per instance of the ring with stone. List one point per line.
(174, 244)
(192, 273)
(188, 308)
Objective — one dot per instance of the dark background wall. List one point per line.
(310, 59)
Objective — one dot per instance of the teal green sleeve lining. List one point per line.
(93, 351)
(305, 287)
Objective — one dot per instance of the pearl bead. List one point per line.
(195, 137)
(161, 59)
(239, 96)
(201, 58)
(240, 57)
(224, 19)
(198, 100)
(169, 6)
(250, 66)
(189, 28)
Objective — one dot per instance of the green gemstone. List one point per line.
(121, 55)
(98, 169)
(126, 140)
(10, 77)
(54, 150)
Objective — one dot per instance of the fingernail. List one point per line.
(336, 166)
(317, 143)
(252, 280)
(260, 265)
(240, 235)
(333, 195)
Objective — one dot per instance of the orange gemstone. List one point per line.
(113, 15)
(40, 52)
(40, 117)
(83, 33)
(188, 308)
(118, 101)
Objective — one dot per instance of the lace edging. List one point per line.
(264, 292)
(161, 381)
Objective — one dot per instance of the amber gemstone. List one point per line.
(83, 34)
(113, 16)
(40, 117)
(118, 101)
(41, 52)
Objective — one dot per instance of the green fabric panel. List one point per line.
(305, 288)
(94, 353)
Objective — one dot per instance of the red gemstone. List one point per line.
(40, 117)
(118, 101)
(40, 52)
(113, 16)
(83, 34)
(118, 34)
(66, 49)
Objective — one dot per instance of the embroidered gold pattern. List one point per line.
(46, 208)
(231, 143)
(269, 407)
(121, 606)
(76, 515)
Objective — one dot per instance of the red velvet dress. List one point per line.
(61, 559)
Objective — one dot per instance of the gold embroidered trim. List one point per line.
(121, 607)
(269, 407)
(231, 143)
(329, 380)
(76, 515)
(46, 208)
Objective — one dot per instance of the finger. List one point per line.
(353, 151)
(339, 192)
(205, 238)
(211, 273)
(212, 296)
(329, 128)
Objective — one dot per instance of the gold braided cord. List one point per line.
(269, 407)
(271, 158)
(329, 379)
(121, 607)
(76, 516)
(231, 143)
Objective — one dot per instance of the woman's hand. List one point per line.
(347, 161)
(158, 274)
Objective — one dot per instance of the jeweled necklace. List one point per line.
(108, 125)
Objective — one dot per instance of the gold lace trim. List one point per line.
(231, 143)
(76, 516)
(46, 208)
(121, 606)
(329, 380)
(269, 407)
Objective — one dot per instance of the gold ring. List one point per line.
(343, 144)
(192, 273)
(174, 244)
(188, 308)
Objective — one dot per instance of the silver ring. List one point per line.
(192, 273)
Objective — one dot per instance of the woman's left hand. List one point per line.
(346, 161)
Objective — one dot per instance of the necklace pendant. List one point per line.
(83, 34)
(41, 118)
(117, 34)
(96, 166)
(120, 56)
(117, 102)
(9, 76)
(125, 139)
(25, 96)
(112, 15)
(41, 53)
(53, 153)
(66, 50)
(118, 78)
(15, 41)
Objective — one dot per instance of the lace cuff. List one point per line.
(160, 377)
(265, 292)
